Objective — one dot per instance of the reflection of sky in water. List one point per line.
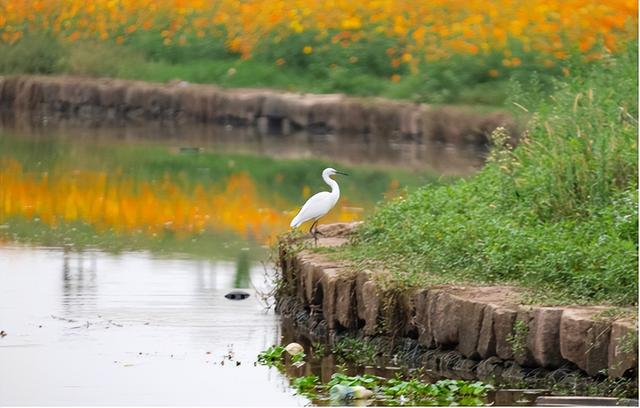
(131, 329)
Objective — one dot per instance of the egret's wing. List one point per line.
(316, 206)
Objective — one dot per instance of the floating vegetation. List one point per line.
(385, 391)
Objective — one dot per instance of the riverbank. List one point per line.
(109, 100)
(557, 214)
(471, 331)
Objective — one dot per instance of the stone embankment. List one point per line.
(480, 323)
(106, 100)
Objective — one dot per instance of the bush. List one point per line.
(39, 53)
(557, 214)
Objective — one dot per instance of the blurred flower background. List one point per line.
(418, 48)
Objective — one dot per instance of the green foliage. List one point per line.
(443, 392)
(517, 339)
(272, 356)
(306, 385)
(400, 391)
(557, 214)
(150, 44)
(365, 56)
(319, 350)
(39, 53)
(113, 61)
(350, 349)
(368, 381)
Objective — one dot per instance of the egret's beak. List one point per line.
(339, 172)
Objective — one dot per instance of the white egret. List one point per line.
(319, 204)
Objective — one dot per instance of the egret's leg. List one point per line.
(314, 233)
(312, 225)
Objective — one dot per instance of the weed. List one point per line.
(366, 380)
(272, 356)
(518, 338)
(36, 53)
(319, 350)
(306, 385)
(350, 349)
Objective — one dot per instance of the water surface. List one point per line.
(131, 329)
(117, 246)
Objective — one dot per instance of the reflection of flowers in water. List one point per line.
(115, 201)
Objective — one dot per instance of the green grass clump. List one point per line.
(558, 214)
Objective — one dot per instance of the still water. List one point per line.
(116, 252)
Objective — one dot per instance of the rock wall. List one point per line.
(481, 323)
(269, 110)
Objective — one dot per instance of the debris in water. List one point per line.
(237, 295)
(294, 349)
(341, 392)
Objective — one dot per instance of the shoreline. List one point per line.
(269, 111)
(480, 325)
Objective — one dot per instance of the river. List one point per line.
(118, 244)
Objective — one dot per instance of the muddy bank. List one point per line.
(478, 331)
(109, 100)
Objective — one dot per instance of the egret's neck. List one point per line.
(335, 189)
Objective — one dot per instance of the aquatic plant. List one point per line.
(306, 385)
(354, 350)
(273, 356)
(396, 390)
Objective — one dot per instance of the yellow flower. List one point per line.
(307, 49)
(395, 78)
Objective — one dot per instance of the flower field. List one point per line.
(387, 38)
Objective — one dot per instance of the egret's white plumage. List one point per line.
(321, 203)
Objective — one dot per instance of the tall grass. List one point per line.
(557, 214)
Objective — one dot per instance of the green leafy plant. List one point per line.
(354, 350)
(518, 337)
(306, 385)
(366, 380)
(272, 356)
(319, 350)
(298, 359)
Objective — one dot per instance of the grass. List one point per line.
(363, 69)
(557, 214)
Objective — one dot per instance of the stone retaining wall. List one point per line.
(479, 322)
(269, 110)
